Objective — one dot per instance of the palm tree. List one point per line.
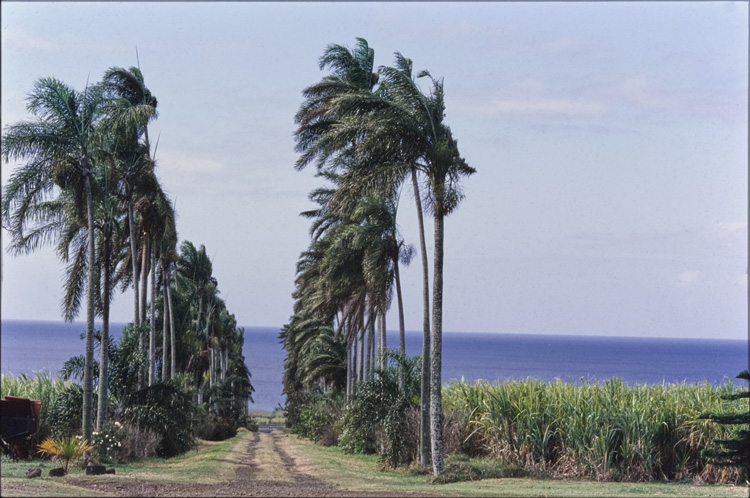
(353, 76)
(158, 218)
(132, 107)
(397, 132)
(375, 233)
(58, 147)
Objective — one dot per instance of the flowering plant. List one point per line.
(108, 441)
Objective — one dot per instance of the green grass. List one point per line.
(211, 462)
(363, 473)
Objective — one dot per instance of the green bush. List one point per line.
(376, 419)
(66, 412)
(365, 414)
(317, 417)
(215, 428)
(168, 410)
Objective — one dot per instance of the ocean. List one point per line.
(30, 346)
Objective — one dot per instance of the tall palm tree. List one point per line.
(375, 233)
(317, 117)
(132, 107)
(158, 217)
(59, 142)
(397, 133)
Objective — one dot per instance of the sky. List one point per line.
(610, 142)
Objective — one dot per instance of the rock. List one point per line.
(95, 470)
(58, 472)
(33, 473)
(110, 471)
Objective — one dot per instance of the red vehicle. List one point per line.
(19, 418)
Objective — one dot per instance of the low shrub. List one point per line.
(214, 428)
(139, 443)
(107, 441)
(317, 417)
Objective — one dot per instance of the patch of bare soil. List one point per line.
(264, 469)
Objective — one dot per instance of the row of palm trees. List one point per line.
(87, 185)
(369, 132)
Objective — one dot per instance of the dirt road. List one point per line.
(265, 468)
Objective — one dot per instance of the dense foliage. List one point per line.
(367, 131)
(732, 451)
(607, 431)
(86, 184)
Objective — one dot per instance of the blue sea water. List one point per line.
(30, 346)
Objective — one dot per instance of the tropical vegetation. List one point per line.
(86, 183)
(368, 131)
(65, 450)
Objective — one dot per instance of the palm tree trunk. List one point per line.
(164, 331)
(134, 259)
(383, 346)
(424, 430)
(145, 260)
(436, 386)
(361, 374)
(225, 364)
(348, 369)
(88, 366)
(143, 297)
(152, 329)
(354, 361)
(401, 326)
(101, 417)
(172, 342)
(369, 329)
(371, 345)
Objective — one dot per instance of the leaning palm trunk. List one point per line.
(152, 328)
(436, 397)
(401, 326)
(101, 417)
(88, 366)
(424, 430)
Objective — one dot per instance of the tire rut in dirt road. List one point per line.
(263, 468)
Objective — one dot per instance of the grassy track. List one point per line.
(362, 473)
(209, 463)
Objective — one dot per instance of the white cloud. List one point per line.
(645, 93)
(183, 162)
(184, 172)
(22, 39)
(688, 278)
(549, 105)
